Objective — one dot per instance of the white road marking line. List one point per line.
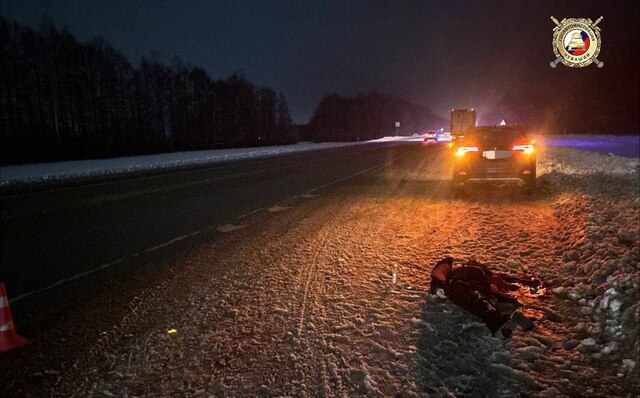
(276, 208)
(174, 240)
(257, 210)
(230, 227)
(374, 168)
(66, 280)
(309, 192)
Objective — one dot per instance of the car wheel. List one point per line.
(458, 189)
(530, 185)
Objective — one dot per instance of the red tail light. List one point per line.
(464, 149)
(526, 148)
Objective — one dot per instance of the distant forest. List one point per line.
(368, 116)
(61, 100)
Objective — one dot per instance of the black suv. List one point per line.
(494, 154)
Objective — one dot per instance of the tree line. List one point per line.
(61, 99)
(368, 116)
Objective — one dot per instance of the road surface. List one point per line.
(61, 233)
(275, 278)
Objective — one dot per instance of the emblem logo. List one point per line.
(576, 42)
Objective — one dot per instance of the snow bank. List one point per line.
(573, 163)
(57, 171)
(598, 207)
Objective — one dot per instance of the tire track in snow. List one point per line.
(305, 293)
(319, 305)
(330, 377)
(313, 303)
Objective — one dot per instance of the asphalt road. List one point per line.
(57, 244)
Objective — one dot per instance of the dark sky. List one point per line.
(442, 54)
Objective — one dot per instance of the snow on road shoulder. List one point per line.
(598, 207)
(59, 171)
(572, 162)
(624, 145)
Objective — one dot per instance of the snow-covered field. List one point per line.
(623, 145)
(58, 171)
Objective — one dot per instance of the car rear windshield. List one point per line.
(494, 137)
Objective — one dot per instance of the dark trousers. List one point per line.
(478, 302)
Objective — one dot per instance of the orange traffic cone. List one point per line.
(9, 339)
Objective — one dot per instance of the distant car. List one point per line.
(495, 154)
(437, 137)
(430, 136)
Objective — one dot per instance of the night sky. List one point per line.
(442, 54)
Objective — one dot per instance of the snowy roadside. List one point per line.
(61, 171)
(327, 320)
(325, 295)
(622, 145)
(599, 241)
(572, 162)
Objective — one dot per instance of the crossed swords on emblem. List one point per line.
(595, 60)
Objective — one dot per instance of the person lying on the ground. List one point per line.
(485, 294)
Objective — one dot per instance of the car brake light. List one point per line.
(527, 148)
(464, 149)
